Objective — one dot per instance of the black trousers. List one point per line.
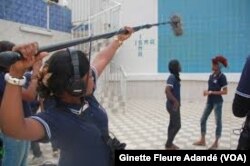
(174, 124)
(244, 140)
(35, 147)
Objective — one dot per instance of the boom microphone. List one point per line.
(176, 25)
(8, 58)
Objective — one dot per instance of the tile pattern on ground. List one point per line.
(142, 124)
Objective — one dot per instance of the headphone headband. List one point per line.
(76, 85)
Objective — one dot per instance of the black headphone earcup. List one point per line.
(76, 87)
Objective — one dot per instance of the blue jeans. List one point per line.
(15, 152)
(217, 112)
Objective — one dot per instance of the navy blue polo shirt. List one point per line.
(80, 138)
(175, 85)
(26, 106)
(216, 83)
(49, 103)
(243, 88)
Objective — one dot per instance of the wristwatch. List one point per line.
(14, 81)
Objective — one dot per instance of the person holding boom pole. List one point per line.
(77, 123)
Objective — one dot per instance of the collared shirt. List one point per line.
(216, 83)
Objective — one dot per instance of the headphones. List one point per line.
(76, 86)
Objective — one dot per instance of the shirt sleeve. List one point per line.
(171, 81)
(223, 81)
(47, 123)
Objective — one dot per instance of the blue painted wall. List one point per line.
(211, 27)
(33, 12)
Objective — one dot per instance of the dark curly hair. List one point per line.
(5, 46)
(220, 59)
(60, 67)
(174, 68)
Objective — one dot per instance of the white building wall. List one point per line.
(190, 90)
(134, 13)
(11, 31)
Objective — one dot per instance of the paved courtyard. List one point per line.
(143, 125)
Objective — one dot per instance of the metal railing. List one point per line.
(93, 17)
(112, 88)
(105, 19)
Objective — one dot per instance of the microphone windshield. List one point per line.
(175, 22)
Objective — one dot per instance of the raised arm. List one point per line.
(105, 56)
(12, 118)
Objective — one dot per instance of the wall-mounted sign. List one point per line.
(142, 43)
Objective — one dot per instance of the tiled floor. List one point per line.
(143, 125)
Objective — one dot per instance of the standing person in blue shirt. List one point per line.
(77, 124)
(217, 86)
(173, 94)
